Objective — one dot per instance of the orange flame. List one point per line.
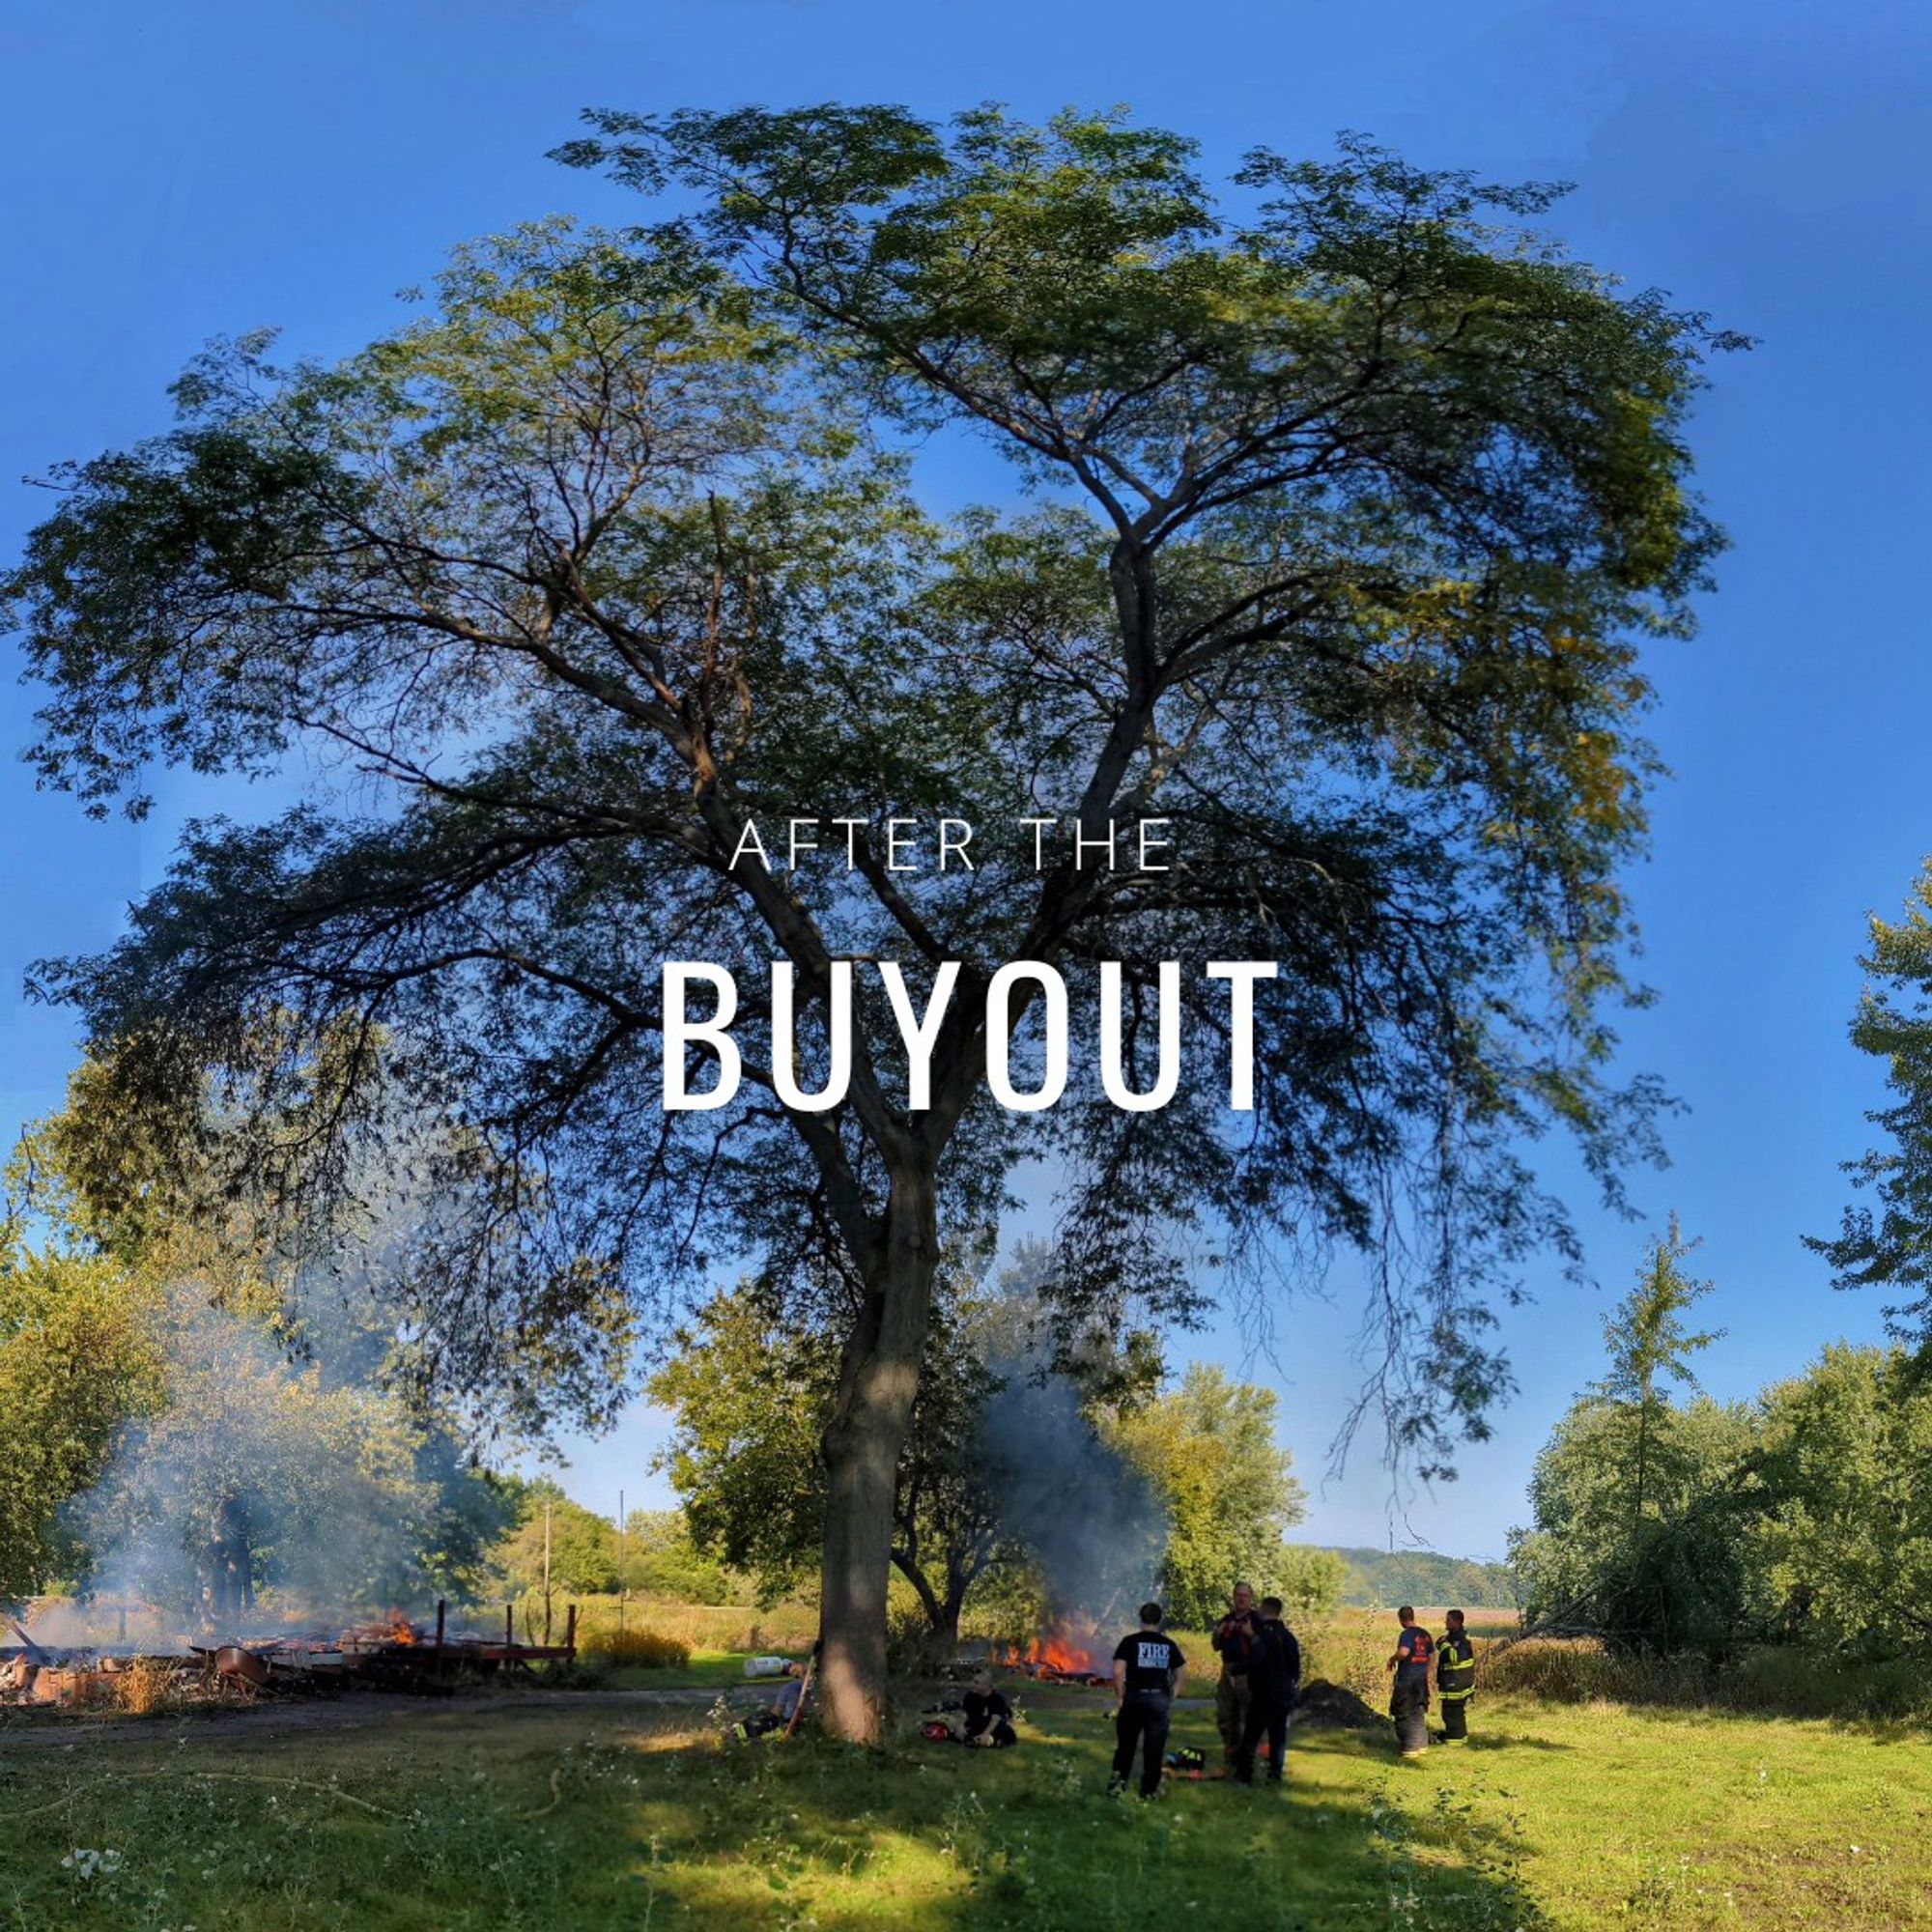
(1057, 1655)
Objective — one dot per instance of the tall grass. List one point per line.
(144, 1684)
(787, 1627)
(652, 1650)
(1778, 1681)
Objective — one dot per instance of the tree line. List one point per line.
(1665, 1521)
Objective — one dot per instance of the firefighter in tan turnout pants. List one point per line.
(1455, 1678)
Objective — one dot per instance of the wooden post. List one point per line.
(509, 1628)
(441, 1611)
(570, 1634)
(546, 1576)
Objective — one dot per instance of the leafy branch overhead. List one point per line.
(1352, 503)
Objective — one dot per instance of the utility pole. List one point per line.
(623, 1574)
(546, 1572)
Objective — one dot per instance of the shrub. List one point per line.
(650, 1649)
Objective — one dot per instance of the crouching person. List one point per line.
(1148, 1667)
(1274, 1682)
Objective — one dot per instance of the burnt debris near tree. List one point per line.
(390, 1653)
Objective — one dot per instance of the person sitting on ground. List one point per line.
(781, 1716)
(1147, 1668)
(989, 1718)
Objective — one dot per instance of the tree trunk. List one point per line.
(862, 1442)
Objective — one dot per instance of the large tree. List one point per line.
(1353, 506)
(751, 1386)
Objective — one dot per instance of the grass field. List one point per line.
(604, 1809)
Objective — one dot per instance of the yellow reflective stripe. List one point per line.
(1447, 1696)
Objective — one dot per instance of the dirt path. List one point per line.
(353, 1710)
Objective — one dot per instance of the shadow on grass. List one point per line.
(1479, 1741)
(551, 1815)
(956, 1840)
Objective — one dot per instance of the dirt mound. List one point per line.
(1328, 1707)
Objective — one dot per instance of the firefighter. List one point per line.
(1147, 1666)
(1275, 1682)
(1455, 1679)
(1234, 1642)
(1408, 1698)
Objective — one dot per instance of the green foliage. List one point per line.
(1648, 1344)
(181, 1410)
(1209, 1449)
(1371, 488)
(1796, 1517)
(582, 1546)
(1680, 1576)
(1385, 1578)
(753, 1390)
(662, 1560)
(1847, 1552)
(1309, 1581)
(77, 1358)
(1893, 1023)
(1639, 1516)
(750, 1392)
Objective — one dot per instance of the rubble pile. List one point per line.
(391, 1654)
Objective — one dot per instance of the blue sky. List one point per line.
(173, 171)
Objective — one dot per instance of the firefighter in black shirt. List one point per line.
(1455, 1679)
(1274, 1682)
(989, 1718)
(1147, 1666)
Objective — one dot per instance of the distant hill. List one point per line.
(1378, 1578)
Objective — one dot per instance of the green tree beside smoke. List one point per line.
(184, 1428)
(752, 1390)
(1207, 1448)
(77, 1360)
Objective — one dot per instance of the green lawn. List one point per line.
(604, 1813)
(708, 1669)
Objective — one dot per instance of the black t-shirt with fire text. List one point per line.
(1151, 1660)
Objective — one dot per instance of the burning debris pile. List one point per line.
(1056, 1660)
(389, 1654)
